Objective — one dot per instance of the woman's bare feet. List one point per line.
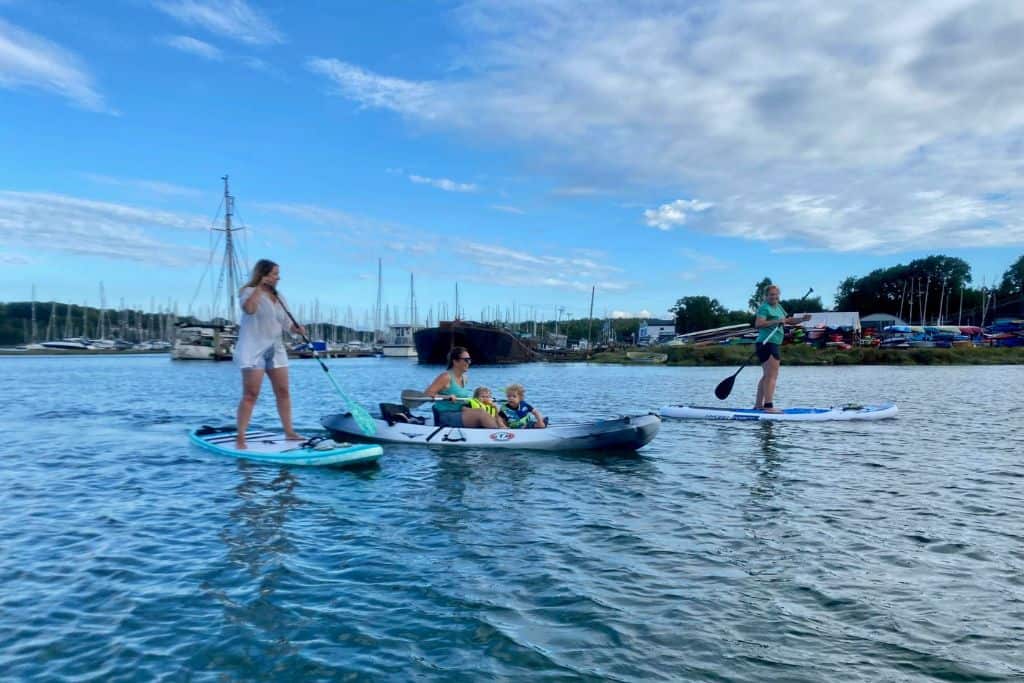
(292, 436)
(240, 445)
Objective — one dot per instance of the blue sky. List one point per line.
(527, 151)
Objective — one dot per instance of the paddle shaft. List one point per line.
(361, 416)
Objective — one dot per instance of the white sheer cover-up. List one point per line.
(259, 331)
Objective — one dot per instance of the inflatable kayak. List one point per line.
(623, 433)
(266, 446)
(879, 411)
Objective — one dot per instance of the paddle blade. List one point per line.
(724, 387)
(365, 421)
(414, 399)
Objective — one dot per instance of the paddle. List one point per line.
(724, 387)
(362, 418)
(414, 399)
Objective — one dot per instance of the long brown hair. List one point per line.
(260, 271)
(455, 353)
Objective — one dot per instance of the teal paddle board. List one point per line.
(273, 447)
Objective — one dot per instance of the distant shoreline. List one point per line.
(80, 352)
(801, 354)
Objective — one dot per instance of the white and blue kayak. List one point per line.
(267, 446)
(879, 411)
(622, 433)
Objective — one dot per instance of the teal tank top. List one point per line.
(453, 389)
(769, 312)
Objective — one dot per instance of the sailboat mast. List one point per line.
(229, 249)
(32, 339)
(412, 303)
(376, 318)
(590, 318)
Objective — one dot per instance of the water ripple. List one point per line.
(722, 552)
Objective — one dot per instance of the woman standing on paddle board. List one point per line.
(260, 349)
(769, 320)
(451, 385)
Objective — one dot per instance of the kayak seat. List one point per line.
(394, 413)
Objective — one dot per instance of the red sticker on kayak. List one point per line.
(502, 436)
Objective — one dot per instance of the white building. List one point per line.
(652, 330)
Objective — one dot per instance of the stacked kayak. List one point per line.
(879, 411)
(267, 446)
(623, 433)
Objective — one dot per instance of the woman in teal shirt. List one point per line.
(451, 385)
(769, 320)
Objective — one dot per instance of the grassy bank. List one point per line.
(807, 355)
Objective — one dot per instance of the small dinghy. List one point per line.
(879, 411)
(267, 446)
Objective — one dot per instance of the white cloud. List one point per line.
(575, 191)
(702, 261)
(233, 19)
(30, 61)
(194, 46)
(12, 259)
(507, 209)
(151, 186)
(355, 230)
(519, 268)
(443, 184)
(846, 127)
(82, 226)
(668, 216)
(372, 90)
(644, 313)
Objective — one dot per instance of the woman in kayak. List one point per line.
(769, 320)
(451, 385)
(260, 348)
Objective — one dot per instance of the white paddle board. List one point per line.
(878, 411)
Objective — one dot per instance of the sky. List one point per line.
(526, 152)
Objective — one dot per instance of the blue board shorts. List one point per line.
(448, 418)
(767, 350)
(274, 357)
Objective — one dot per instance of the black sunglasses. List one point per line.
(466, 358)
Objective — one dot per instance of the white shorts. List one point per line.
(274, 357)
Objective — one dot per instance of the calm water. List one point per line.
(740, 552)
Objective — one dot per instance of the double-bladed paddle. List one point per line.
(414, 399)
(724, 387)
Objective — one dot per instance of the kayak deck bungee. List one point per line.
(622, 433)
(845, 413)
(273, 447)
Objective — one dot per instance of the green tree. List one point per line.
(758, 296)
(694, 313)
(811, 304)
(926, 282)
(1013, 279)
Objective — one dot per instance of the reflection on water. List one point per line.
(741, 552)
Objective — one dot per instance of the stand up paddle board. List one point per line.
(878, 411)
(267, 446)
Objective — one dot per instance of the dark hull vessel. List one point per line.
(489, 345)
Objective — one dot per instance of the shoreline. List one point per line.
(712, 356)
(80, 352)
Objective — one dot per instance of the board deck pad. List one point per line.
(271, 446)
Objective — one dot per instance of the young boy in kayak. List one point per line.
(483, 400)
(518, 413)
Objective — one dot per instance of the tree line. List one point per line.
(932, 289)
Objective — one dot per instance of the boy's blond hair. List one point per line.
(478, 392)
(515, 389)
